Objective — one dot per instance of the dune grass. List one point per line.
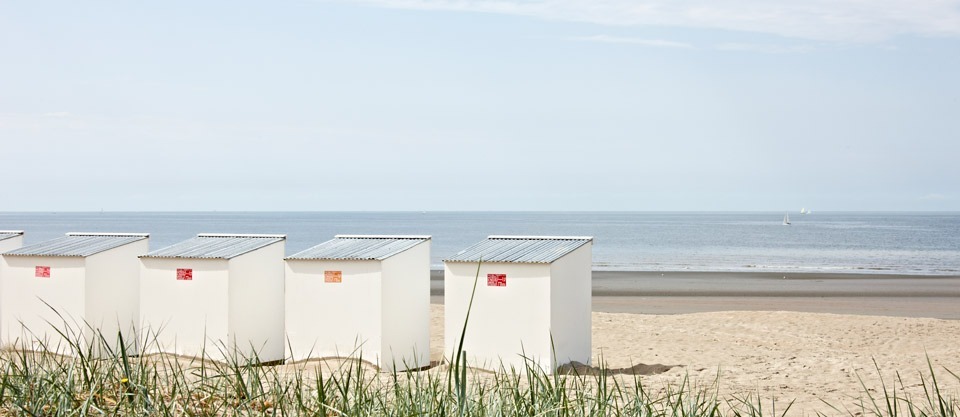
(95, 380)
(47, 384)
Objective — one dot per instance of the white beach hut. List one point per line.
(10, 240)
(83, 284)
(216, 296)
(531, 306)
(361, 296)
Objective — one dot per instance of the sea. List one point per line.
(833, 242)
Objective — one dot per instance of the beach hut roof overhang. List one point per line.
(8, 234)
(521, 249)
(360, 248)
(216, 246)
(79, 244)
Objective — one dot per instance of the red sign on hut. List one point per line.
(496, 280)
(184, 274)
(42, 272)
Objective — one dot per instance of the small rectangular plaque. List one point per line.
(333, 276)
(184, 274)
(496, 280)
(43, 272)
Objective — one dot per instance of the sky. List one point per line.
(700, 105)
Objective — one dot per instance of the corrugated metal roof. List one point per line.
(520, 249)
(7, 234)
(360, 248)
(79, 244)
(216, 246)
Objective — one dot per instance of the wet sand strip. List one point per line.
(692, 292)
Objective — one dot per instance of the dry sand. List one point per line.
(804, 356)
(803, 337)
(807, 357)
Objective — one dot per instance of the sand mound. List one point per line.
(577, 368)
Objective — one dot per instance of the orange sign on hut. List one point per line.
(333, 276)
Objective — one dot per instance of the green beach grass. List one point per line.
(47, 384)
(95, 380)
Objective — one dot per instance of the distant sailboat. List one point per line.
(786, 219)
(805, 211)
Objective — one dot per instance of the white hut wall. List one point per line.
(113, 295)
(184, 316)
(7, 245)
(406, 309)
(570, 292)
(334, 319)
(506, 323)
(256, 303)
(35, 309)
(10, 244)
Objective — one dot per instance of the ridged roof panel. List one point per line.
(79, 244)
(7, 234)
(520, 249)
(360, 248)
(216, 246)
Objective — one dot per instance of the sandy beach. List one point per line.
(806, 337)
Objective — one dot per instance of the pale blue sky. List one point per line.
(480, 105)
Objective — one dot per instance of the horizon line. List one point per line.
(468, 211)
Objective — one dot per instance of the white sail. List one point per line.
(786, 219)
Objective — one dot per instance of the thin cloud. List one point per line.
(826, 20)
(934, 197)
(657, 43)
(764, 48)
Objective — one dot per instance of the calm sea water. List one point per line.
(901, 243)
